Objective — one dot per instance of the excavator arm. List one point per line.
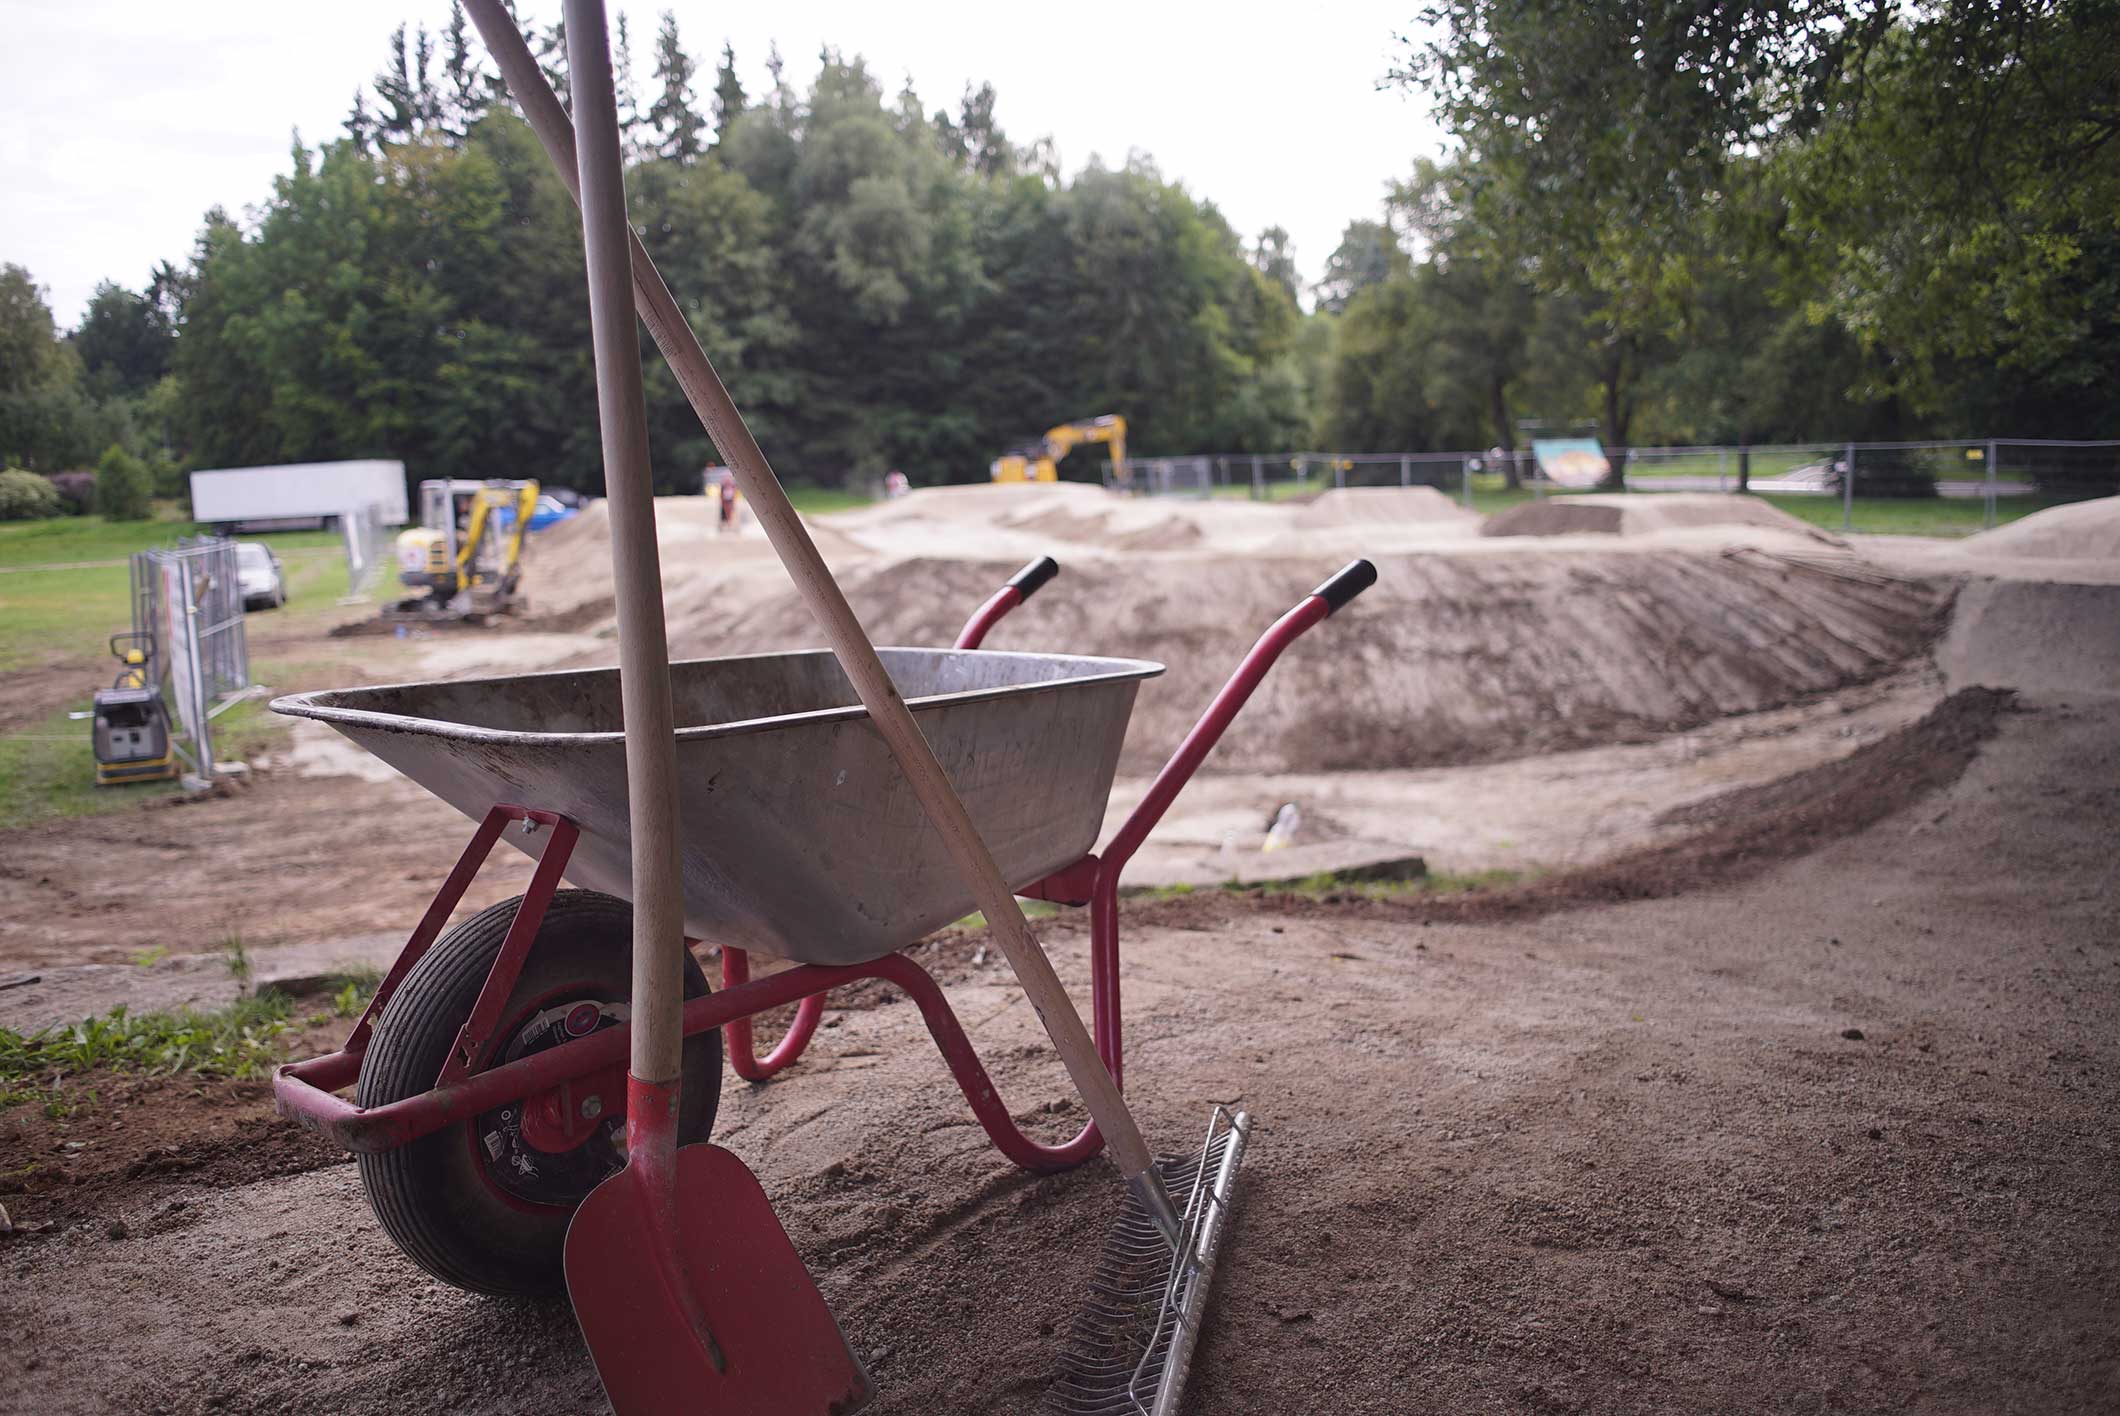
(1058, 442)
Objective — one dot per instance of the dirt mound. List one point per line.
(1367, 505)
(1640, 514)
(1157, 533)
(2081, 531)
(1451, 658)
(988, 502)
(2035, 635)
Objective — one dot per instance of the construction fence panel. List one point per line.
(367, 548)
(187, 604)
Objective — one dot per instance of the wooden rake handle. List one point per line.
(791, 540)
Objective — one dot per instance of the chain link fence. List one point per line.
(1986, 469)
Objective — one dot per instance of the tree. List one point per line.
(1368, 254)
(412, 104)
(677, 123)
(28, 344)
(1608, 132)
(360, 125)
(973, 139)
(728, 93)
(124, 488)
(632, 127)
(124, 341)
(1274, 258)
(1953, 207)
(466, 97)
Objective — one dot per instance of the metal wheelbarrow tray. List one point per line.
(800, 836)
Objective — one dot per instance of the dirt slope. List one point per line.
(2082, 531)
(1450, 658)
(1622, 514)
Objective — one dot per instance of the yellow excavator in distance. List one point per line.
(1037, 462)
(461, 554)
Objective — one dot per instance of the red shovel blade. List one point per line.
(692, 1299)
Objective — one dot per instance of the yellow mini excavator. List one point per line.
(466, 555)
(1037, 462)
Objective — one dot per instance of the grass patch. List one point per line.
(48, 772)
(822, 501)
(63, 539)
(1334, 885)
(1909, 516)
(246, 1039)
(53, 607)
(242, 1040)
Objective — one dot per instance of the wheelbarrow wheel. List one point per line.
(484, 1205)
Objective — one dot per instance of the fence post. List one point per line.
(1405, 470)
(1847, 491)
(1339, 472)
(1258, 478)
(1989, 520)
(1465, 476)
(1722, 469)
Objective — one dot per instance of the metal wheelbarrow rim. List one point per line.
(317, 704)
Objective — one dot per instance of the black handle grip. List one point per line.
(1353, 578)
(1027, 580)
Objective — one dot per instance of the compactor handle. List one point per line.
(1352, 579)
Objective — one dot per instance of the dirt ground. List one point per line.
(1779, 1079)
(1832, 1137)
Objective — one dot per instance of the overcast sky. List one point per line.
(122, 121)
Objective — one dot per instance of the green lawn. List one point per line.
(56, 610)
(1910, 516)
(1886, 516)
(821, 501)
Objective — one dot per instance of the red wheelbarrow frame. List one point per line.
(554, 1083)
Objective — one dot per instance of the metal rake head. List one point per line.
(1130, 1350)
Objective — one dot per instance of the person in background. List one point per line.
(895, 484)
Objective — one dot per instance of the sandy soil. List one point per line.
(1748, 1112)
(1619, 514)
(1833, 1137)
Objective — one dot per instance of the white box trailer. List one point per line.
(297, 494)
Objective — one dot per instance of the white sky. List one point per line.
(122, 121)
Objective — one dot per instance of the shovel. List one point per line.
(850, 644)
(686, 1287)
(611, 246)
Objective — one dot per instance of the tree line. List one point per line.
(1790, 220)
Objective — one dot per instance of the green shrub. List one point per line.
(24, 496)
(77, 489)
(124, 489)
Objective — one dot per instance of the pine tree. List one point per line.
(360, 124)
(551, 50)
(677, 123)
(411, 103)
(393, 90)
(466, 97)
(728, 93)
(629, 119)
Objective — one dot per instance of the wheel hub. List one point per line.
(556, 1146)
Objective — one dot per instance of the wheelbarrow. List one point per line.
(489, 1070)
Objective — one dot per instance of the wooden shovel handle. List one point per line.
(791, 540)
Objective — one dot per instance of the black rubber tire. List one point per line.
(429, 1195)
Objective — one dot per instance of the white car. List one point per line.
(259, 576)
